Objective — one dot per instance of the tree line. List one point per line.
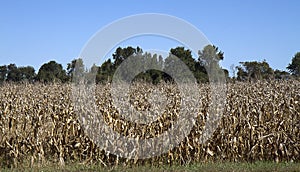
(208, 59)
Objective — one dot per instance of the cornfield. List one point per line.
(39, 126)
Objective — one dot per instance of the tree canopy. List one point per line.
(208, 59)
(12, 73)
(294, 66)
(255, 70)
(52, 72)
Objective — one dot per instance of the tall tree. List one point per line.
(76, 67)
(184, 55)
(122, 53)
(209, 58)
(294, 66)
(3, 73)
(153, 75)
(242, 75)
(173, 63)
(52, 72)
(27, 73)
(13, 73)
(255, 70)
(105, 72)
(16, 74)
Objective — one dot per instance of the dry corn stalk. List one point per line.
(261, 122)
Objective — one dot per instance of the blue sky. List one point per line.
(35, 32)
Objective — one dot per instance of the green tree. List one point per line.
(294, 66)
(52, 72)
(153, 75)
(242, 75)
(209, 58)
(156, 75)
(26, 73)
(17, 74)
(185, 56)
(3, 73)
(122, 53)
(173, 62)
(255, 70)
(278, 74)
(200, 72)
(105, 72)
(13, 73)
(76, 67)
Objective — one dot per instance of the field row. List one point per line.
(39, 125)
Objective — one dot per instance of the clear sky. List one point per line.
(35, 32)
